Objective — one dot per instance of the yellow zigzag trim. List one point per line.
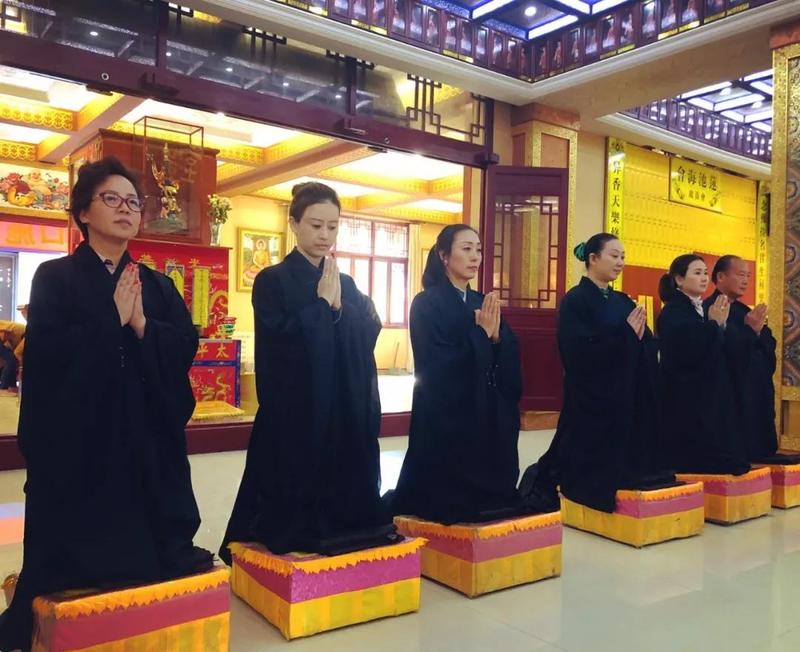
(259, 556)
(661, 494)
(61, 605)
(418, 527)
(786, 468)
(723, 477)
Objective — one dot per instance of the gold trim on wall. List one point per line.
(538, 129)
(777, 257)
(11, 151)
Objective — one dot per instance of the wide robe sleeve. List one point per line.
(466, 401)
(64, 350)
(687, 342)
(168, 348)
(589, 348)
(444, 351)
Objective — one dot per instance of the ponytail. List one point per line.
(667, 289)
(668, 286)
(435, 273)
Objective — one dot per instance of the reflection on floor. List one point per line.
(395, 392)
(9, 415)
(735, 589)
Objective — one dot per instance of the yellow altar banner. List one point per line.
(695, 185)
(614, 192)
(200, 285)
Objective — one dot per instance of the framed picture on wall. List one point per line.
(255, 250)
(649, 28)
(573, 47)
(590, 44)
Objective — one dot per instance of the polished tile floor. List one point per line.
(733, 589)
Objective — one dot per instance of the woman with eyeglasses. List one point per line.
(109, 344)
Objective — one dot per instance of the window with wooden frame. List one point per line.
(375, 254)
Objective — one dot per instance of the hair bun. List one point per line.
(299, 187)
(580, 252)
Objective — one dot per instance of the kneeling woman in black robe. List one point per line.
(462, 462)
(703, 434)
(608, 431)
(109, 344)
(312, 478)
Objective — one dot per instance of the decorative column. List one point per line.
(784, 260)
(544, 137)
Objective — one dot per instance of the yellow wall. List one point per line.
(250, 213)
(589, 198)
(656, 230)
(391, 337)
(269, 215)
(502, 143)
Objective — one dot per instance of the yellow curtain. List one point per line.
(415, 263)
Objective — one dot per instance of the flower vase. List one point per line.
(216, 229)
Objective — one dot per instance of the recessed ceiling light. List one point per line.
(285, 84)
(228, 69)
(169, 54)
(338, 96)
(530, 11)
(93, 33)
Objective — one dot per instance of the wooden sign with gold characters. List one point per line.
(695, 185)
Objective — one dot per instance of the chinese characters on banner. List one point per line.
(695, 185)
(762, 250)
(200, 275)
(614, 192)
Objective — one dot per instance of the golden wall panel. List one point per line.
(657, 230)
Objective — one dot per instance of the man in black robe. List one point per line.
(750, 354)
(108, 496)
(312, 478)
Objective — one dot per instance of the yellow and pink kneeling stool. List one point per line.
(730, 499)
(642, 518)
(191, 613)
(479, 558)
(785, 485)
(304, 594)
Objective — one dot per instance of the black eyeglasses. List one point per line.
(114, 200)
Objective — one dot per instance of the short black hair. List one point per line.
(91, 175)
(723, 265)
(310, 193)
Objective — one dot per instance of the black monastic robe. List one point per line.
(462, 463)
(109, 498)
(702, 429)
(608, 430)
(312, 477)
(751, 363)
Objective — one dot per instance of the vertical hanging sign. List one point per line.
(200, 292)
(762, 246)
(614, 192)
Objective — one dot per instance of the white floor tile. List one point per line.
(733, 588)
